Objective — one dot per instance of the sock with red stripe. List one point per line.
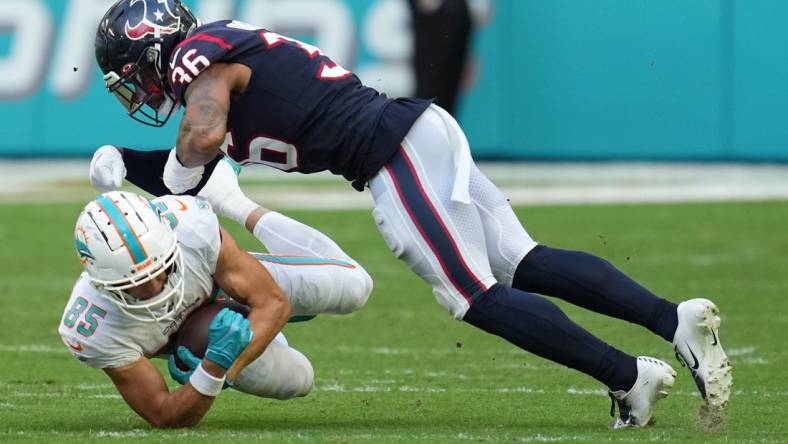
(537, 325)
(593, 283)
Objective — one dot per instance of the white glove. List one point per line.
(178, 178)
(224, 194)
(107, 169)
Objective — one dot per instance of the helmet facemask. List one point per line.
(141, 88)
(160, 307)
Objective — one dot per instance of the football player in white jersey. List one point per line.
(149, 264)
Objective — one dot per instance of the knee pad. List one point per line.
(357, 290)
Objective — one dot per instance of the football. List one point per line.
(193, 333)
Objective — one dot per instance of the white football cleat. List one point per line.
(636, 407)
(698, 347)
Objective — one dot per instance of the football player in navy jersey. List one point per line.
(262, 98)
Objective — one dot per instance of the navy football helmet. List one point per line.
(134, 41)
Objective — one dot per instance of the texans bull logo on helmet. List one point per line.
(158, 17)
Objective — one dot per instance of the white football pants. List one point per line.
(281, 372)
(444, 218)
(317, 277)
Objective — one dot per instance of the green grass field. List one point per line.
(401, 370)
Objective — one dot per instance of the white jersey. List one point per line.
(99, 334)
(316, 275)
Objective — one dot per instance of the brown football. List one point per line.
(193, 333)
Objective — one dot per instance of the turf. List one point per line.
(401, 370)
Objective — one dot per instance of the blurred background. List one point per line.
(565, 102)
(543, 80)
(546, 79)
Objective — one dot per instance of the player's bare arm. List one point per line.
(247, 281)
(204, 124)
(144, 390)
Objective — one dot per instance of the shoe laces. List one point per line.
(623, 407)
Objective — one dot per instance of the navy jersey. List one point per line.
(301, 111)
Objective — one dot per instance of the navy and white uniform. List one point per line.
(301, 111)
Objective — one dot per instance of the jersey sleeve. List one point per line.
(211, 43)
(93, 355)
(90, 332)
(195, 224)
(146, 168)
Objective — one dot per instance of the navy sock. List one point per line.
(535, 324)
(593, 283)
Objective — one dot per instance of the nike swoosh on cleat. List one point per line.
(714, 335)
(694, 371)
(693, 367)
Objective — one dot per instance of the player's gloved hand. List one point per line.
(107, 169)
(228, 336)
(178, 178)
(191, 361)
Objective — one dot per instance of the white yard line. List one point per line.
(334, 387)
(33, 348)
(129, 434)
(523, 183)
(740, 351)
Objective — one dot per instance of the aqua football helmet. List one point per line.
(134, 41)
(123, 242)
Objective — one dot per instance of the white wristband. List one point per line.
(205, 383)
(179, 178)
